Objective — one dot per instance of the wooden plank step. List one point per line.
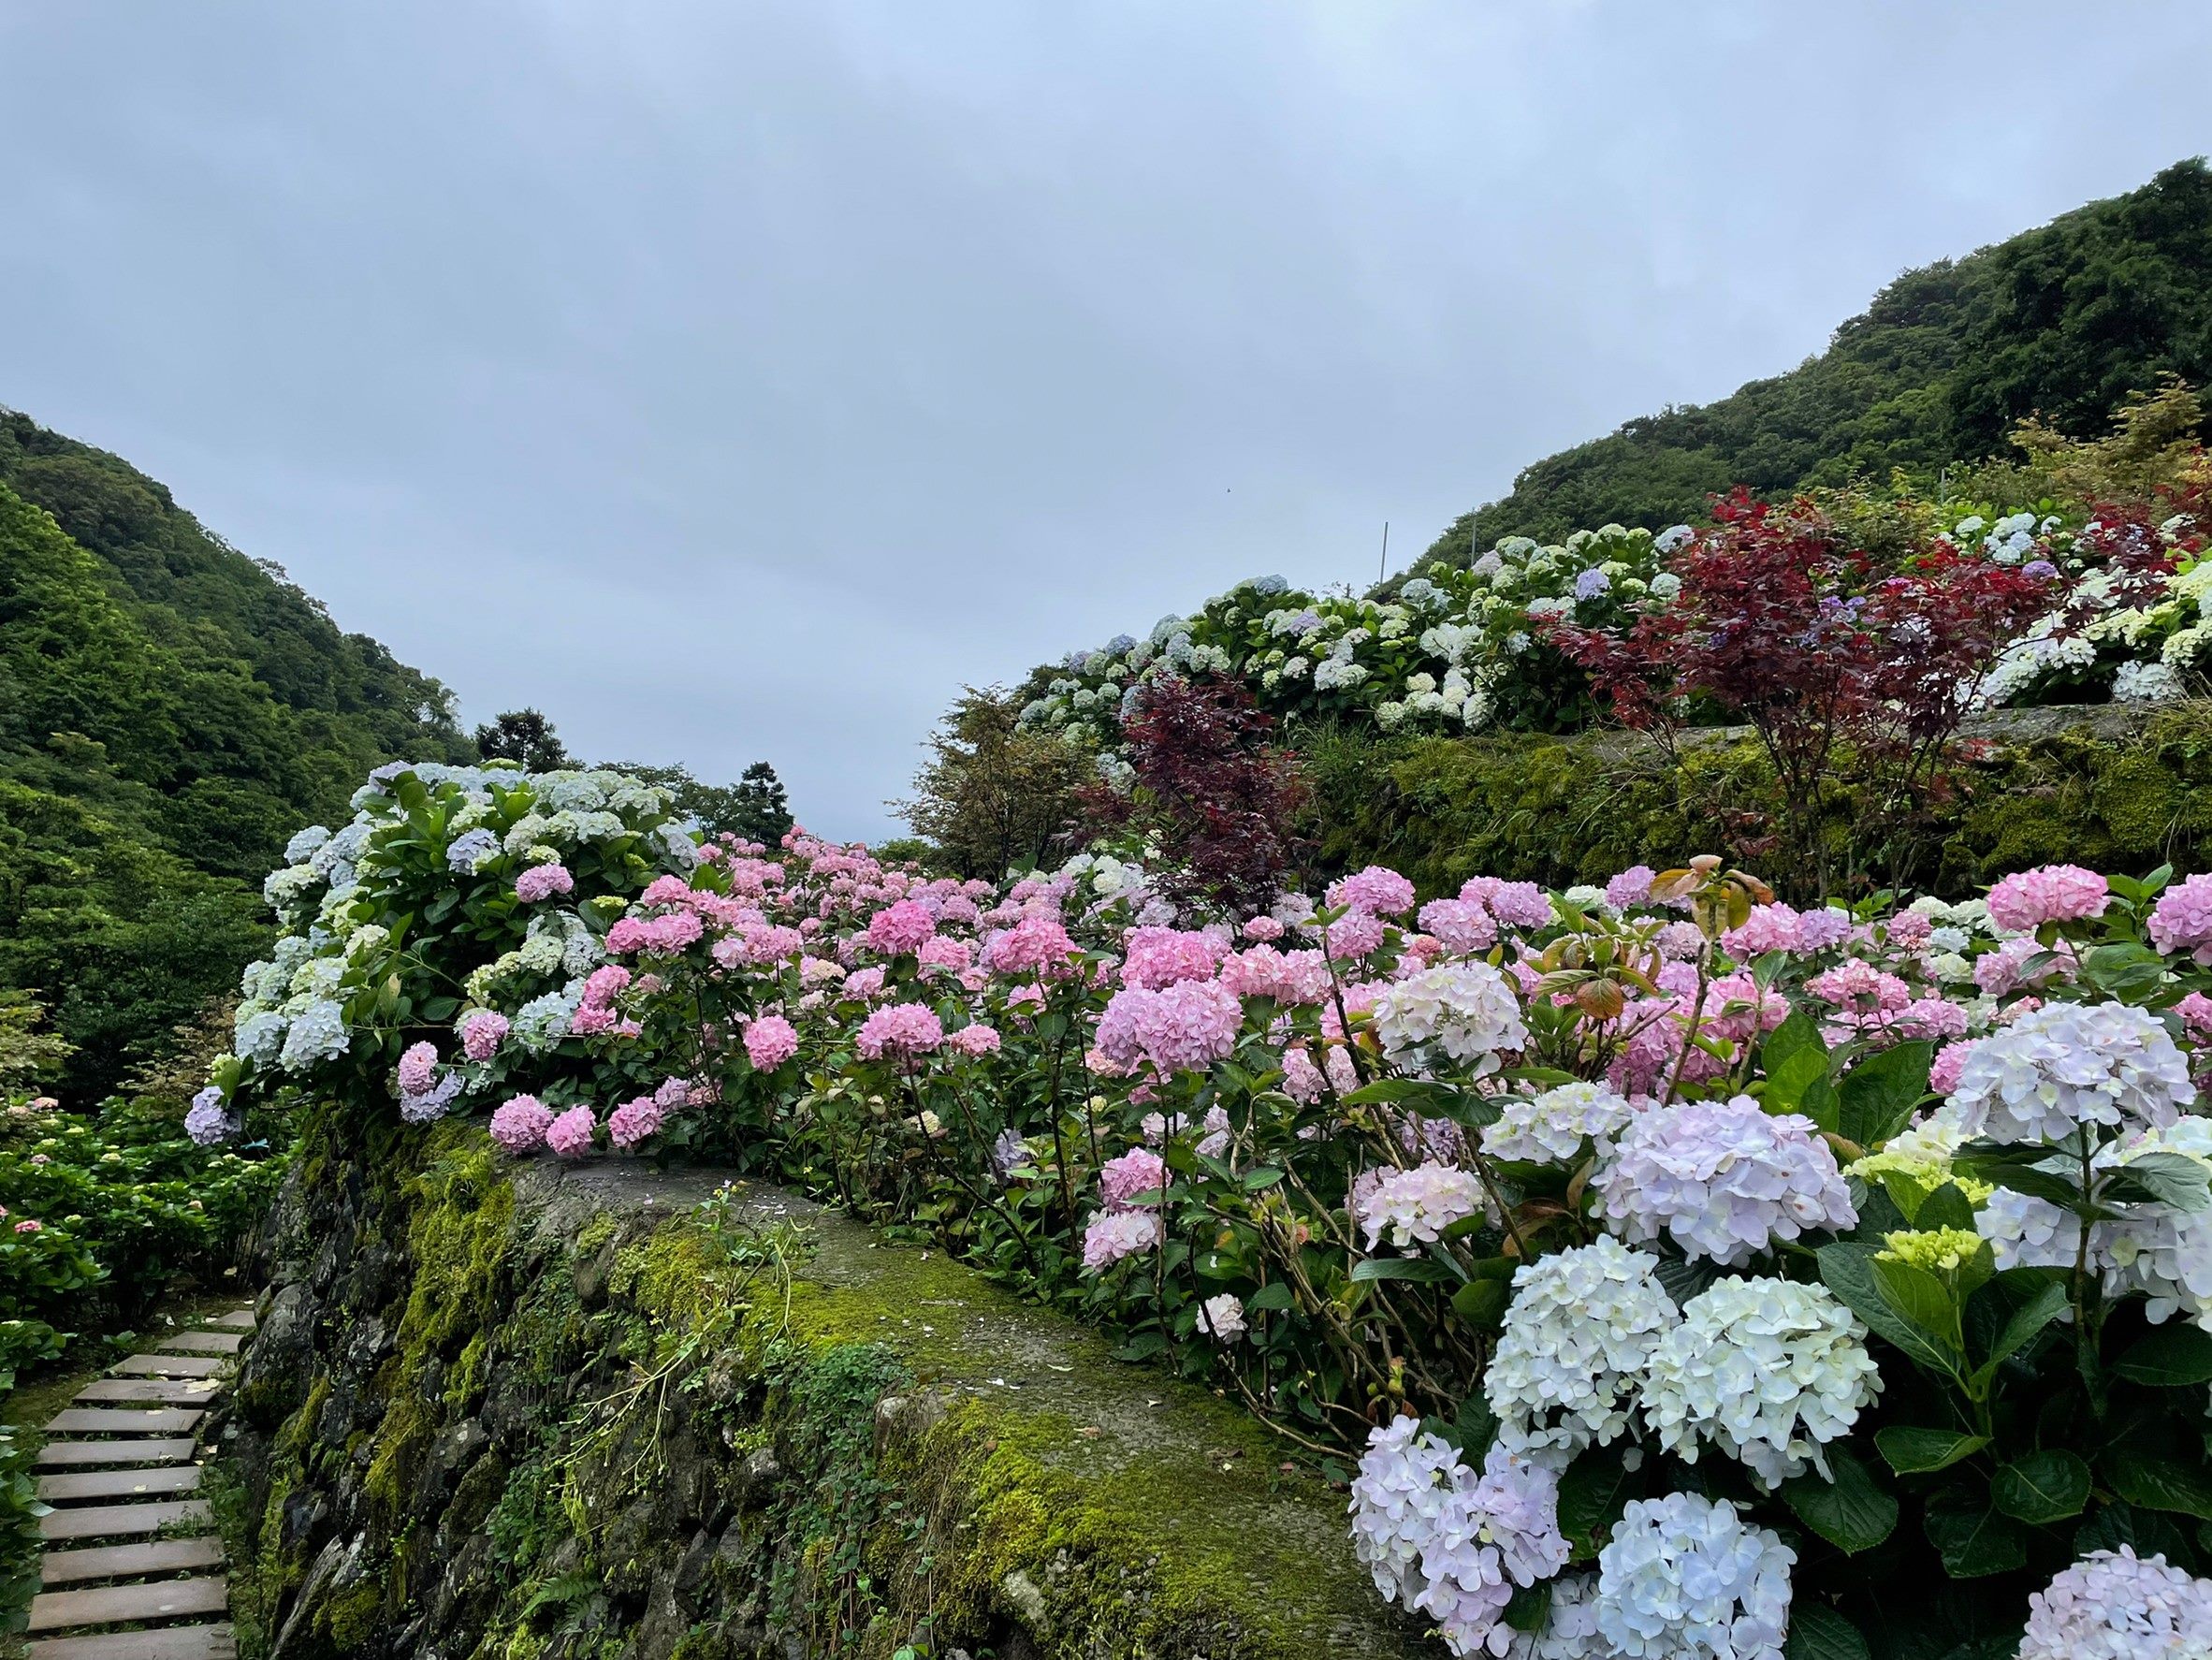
(132, 1560)
(115, 1521)
(238, 1319)
(169, 1642)
(109, 1605)
(170, 1365)
(202, 1343)
(146, 1451)
(167, 1391)
(97, 1420)
(119, 1484)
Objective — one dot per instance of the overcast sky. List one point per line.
(736, 381)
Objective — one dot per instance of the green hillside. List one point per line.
(2066, 319)
(170, 711)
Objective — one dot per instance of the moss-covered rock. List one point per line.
(577, 1416)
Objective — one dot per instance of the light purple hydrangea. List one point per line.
(1722, 1179)
(422, 1106)
(2070, 1064)
(1114, 1234)
(519, 1126)
(635, 1121)
(1449, 1542)
(2114, 1605)
(1415, 1206)
(1683, 1579)
(208, 1120)
(1139, 1171)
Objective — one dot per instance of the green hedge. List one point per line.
(2100, 787)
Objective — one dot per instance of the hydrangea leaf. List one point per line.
(1879, 1095)
(2153, 1479)
(2171, 1357)
(2042, 1487)
(2146, 1532)
(1851, 1511)
(1817, 1631)
(1425, 1269)
(1592, 1492)
(1848, 1270)
(1916, 1452)
(1973, 1537)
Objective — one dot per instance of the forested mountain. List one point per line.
(2065, 320)
(170, 711)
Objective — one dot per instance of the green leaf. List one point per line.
(2027, 1320)
(2162, 1178)
(1276, 1295)
(1787, 1083)
(1817, 1631)
(2042, 1487)
(1916, 1451)
(1530, 1606)
(1795, 1035)
(1848, 1270)
(1881, 1092)
(437, 1010)
(2153, 1480)
(1918, 1296)
(1481, 1301)
(2150, 1533)
(1592, 1492)
(1852, 1512)
(1477, 1428)
(2172, 1357)
(1424, 1269)
(2125, 970)
(1946, 1207)
(1973, 1538)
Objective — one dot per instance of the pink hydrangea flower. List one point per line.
(899, 1029)
(863, 983)
(2006, 969)
(1037, 944)
(1950, 1061)
(899, 930)
(1633, 886)
(769, 1041)
(1182, 1027)
(1377, 888)
(975, 1038)
(542, 881)
(1302, 1080)
(1162, 956)
(941, 951)
(570, 1134)
(418, 1068)
(2182, 919)
(1114, 1234)
(1298, 977)
(2196, 1013)
(2024, 902)
(634, 1121)
(1461, 924)
(482, 1033)
(1517, 904)
(1768, 927)
(604, 984)
(1860, 989)
(519, 1125)
(1355, 935)
(1261, 929)
(1138, 1171)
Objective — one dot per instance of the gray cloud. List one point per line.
(736, 380)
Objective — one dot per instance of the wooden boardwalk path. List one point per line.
(132, 1569)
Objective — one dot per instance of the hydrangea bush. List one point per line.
(1669, 1270)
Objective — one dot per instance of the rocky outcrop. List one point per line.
(515, 1410)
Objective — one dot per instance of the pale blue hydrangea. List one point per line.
(288, 887)
(260, 1038)
(1683, 1579)
(1591, 584)
(433, 1102)
(1554, 1124)
(1767, 1370)
(540, 1024)
(302, 846)
(317, 1033)
(1569, 1631)
(1580, 1333)
(471, 851)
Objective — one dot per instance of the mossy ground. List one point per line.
(601, 1426)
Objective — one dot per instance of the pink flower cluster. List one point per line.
(2181, 921)
(570, 1134)
(418, 1068)
(662, 936)
(769, 1041)
(899, 930)
(542, 882)
(635, 1121)
(1162, 956)
(1378, 889)
(2022, 903)
(519, 1126)
(899, 1030)
(482, 1033)
(1182, 1027)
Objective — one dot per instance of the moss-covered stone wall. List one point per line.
(514, 1411)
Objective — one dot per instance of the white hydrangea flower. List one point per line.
(2114, 1605)
(2163, 1253)
(1467, 1009)
(1570, 1624)
(1682, 1577)
(286, 888)
(303, 844)
(1415, 1206)
(317, 1033)
(1553, 1125)
(1220, 1318)
(1577, 1338)
(2069, 1064)
(1768, 1370)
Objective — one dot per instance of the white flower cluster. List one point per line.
(1683, 1579)
(2070, 1064)
(1466, 1009)
(1554, 1124)
(2114, 1605)
(1578, 1340)
(1767, 1370)
(1722, 1179)
(1448, 1543)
